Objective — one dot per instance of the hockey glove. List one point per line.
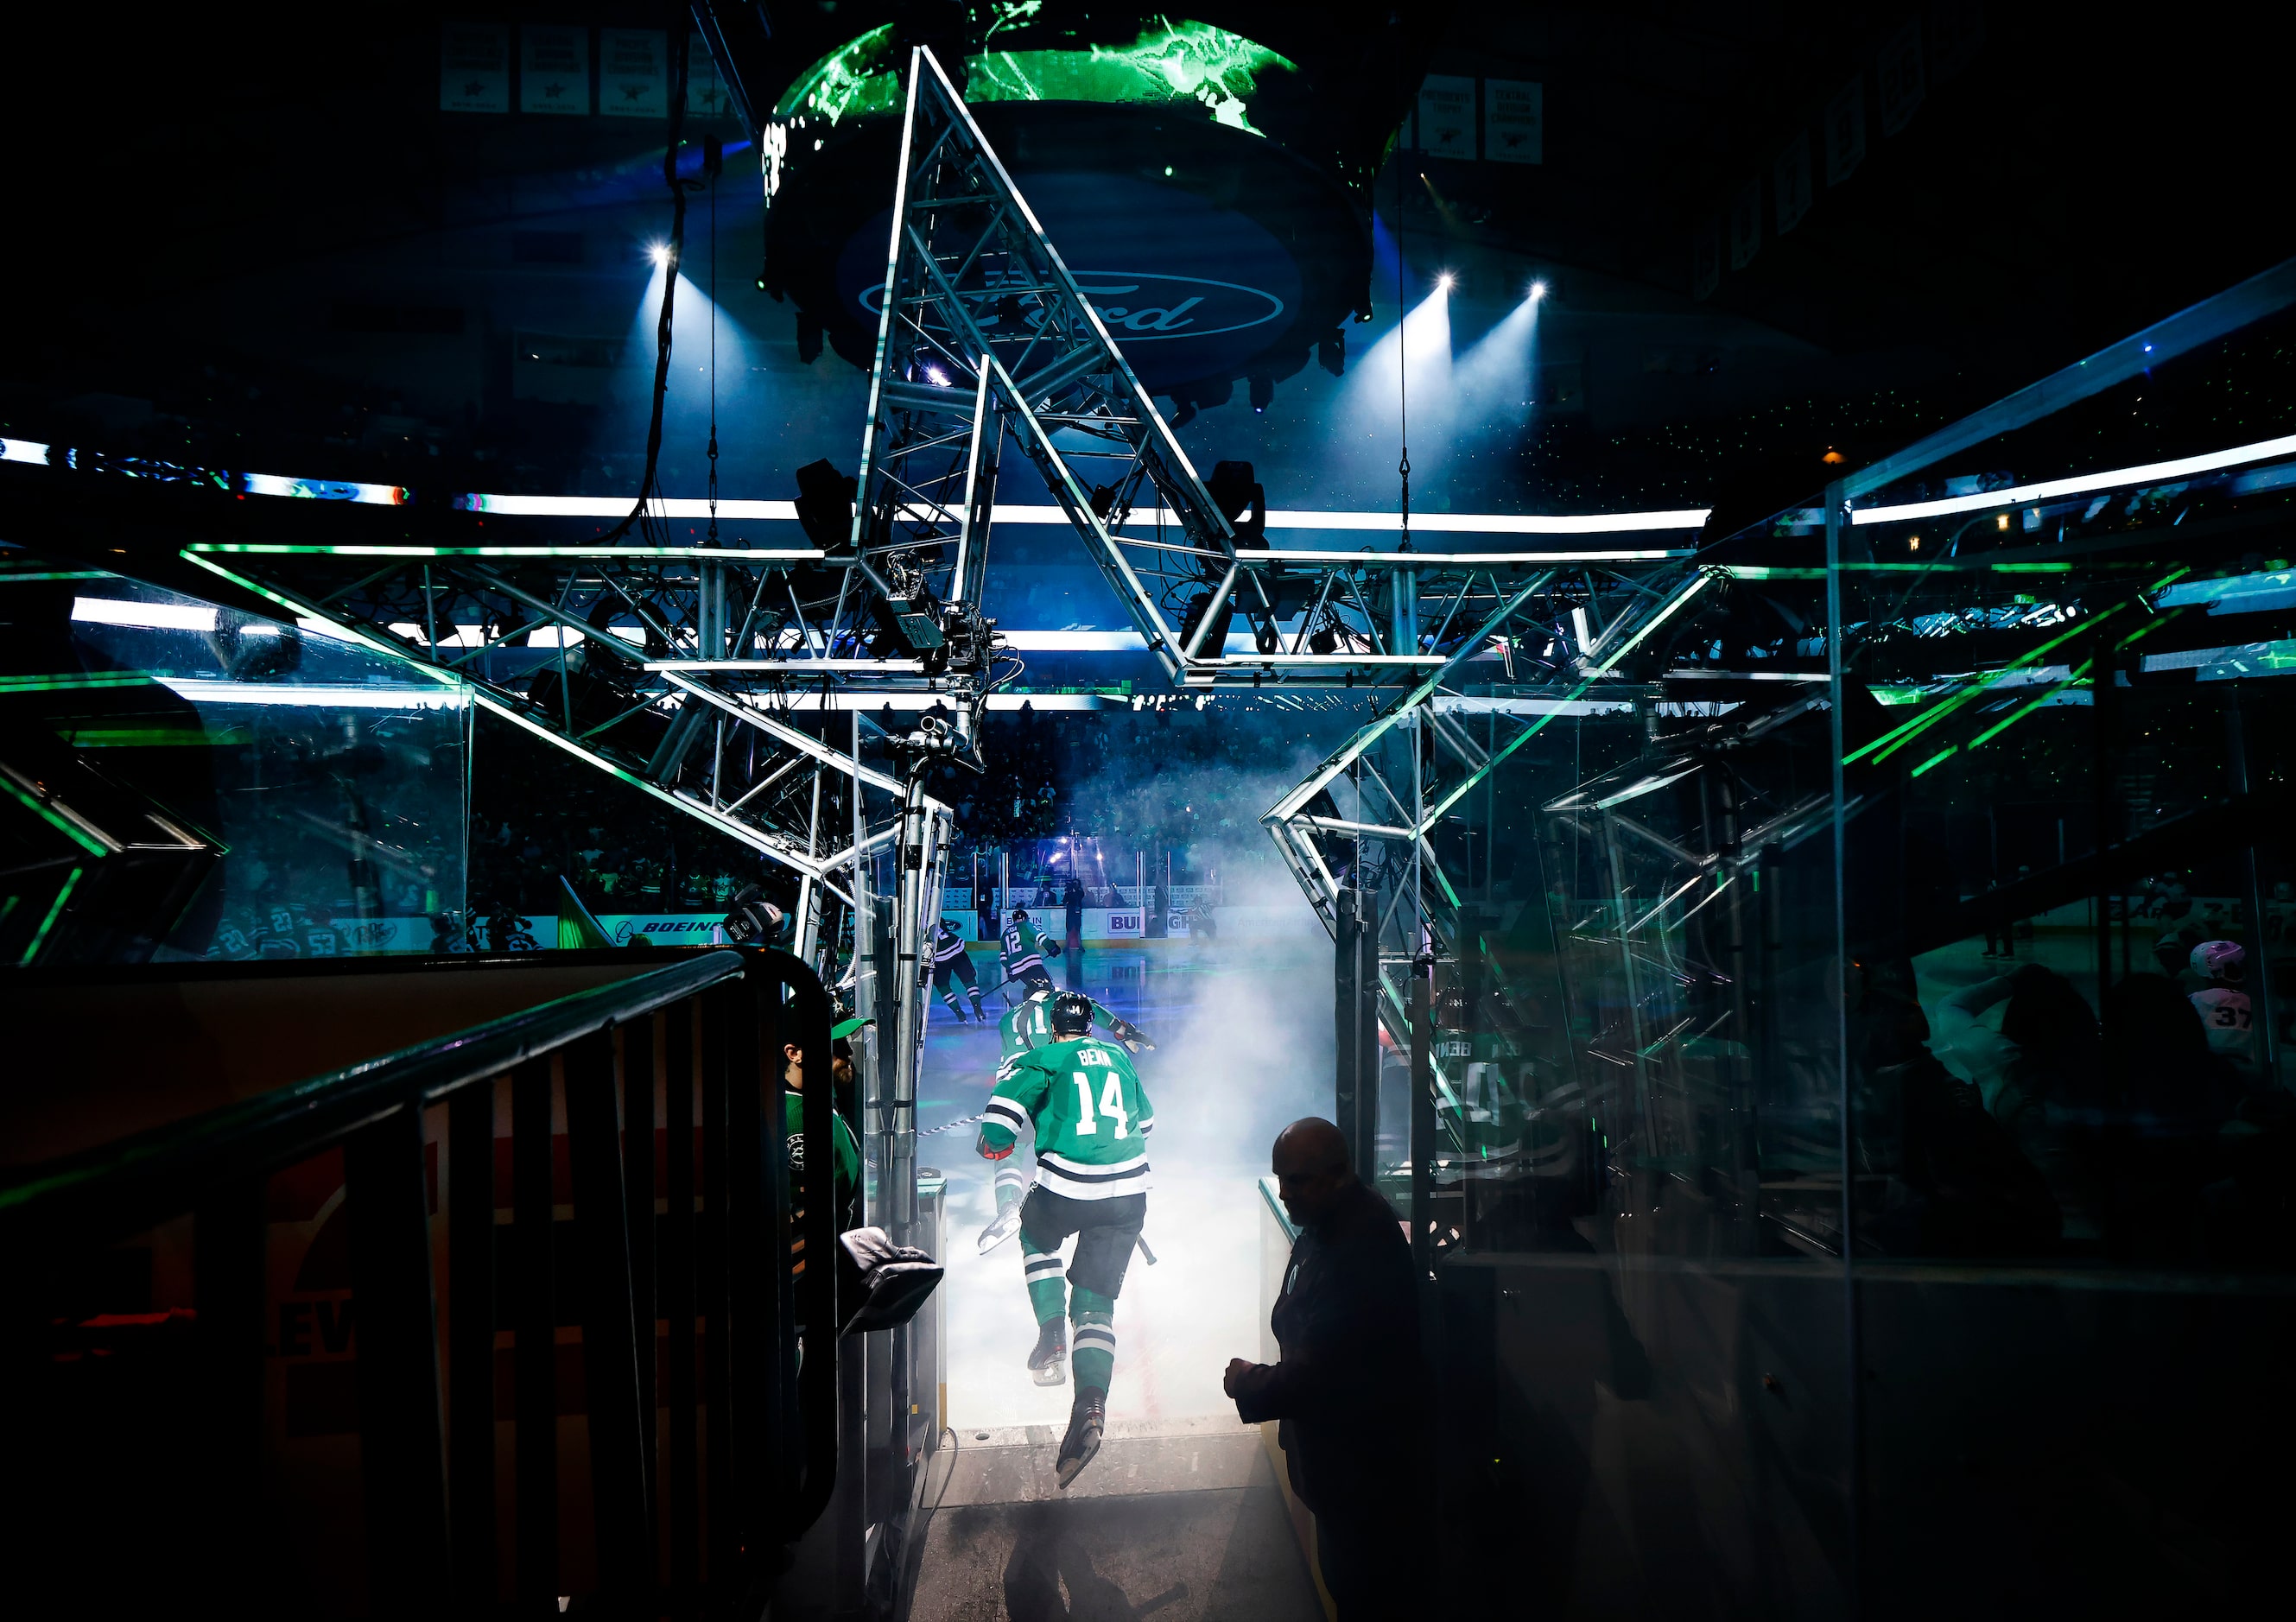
(990, 1152)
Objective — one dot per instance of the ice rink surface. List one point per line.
(1244, 1045)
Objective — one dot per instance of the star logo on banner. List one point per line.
(632, 93)
(551, 93)
(474, 87)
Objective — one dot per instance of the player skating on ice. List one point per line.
(1027, 1026)
(1092, 1118)
(1025, 952)
(951, 964)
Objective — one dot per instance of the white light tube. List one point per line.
(204, 690)
(2153, 473)
(1429, 523)
(144, 616)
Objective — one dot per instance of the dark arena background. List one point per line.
(636, 635)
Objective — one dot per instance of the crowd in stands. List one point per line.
(2018, 1122)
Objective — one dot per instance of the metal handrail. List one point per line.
(121, 1188)
(759, 1420)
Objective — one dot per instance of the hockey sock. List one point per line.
(1093, 1346)
(1012, 1187)
(1048, 1281)
(954, 1006)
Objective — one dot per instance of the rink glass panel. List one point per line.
(334, 780)
(1942, 1264)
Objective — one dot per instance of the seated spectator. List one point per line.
(1966, 1188)
(847, 1153)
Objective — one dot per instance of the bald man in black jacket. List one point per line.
(1349, 1388)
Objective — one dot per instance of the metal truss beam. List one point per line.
(1416, 745)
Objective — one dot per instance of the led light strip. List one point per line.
(2153, 473)
(33, 452)
(207, 690)
(786, 512)
(1431, 523)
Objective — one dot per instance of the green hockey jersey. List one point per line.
(1028, 1024)
(1092, 1117)
(1024, 948)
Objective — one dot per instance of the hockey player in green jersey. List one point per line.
(1025, 952)
(1092, 1118)
(1027, 1026)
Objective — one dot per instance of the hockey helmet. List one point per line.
(1019, 913)
(2220, 960)
(1071, 1014)
(753, 921)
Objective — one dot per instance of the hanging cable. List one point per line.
(1402, 360)
(643, 514)
(713, 161)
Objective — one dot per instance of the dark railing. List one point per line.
(750, 1453)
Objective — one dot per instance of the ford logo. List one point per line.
(1141, 307)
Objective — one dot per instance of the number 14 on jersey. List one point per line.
(1111, 1105)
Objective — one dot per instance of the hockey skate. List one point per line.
(1007, 1224)
(1087, 1419)
(1048, 1365)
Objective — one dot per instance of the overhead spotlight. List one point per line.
(659, 254)
(1443, 283)
(939, 378)
(1263, 392)
(1537, 291)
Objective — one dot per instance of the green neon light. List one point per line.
(2079, 676)
(1948, 749)
(10, 576)
(148, 737)
(49, 922)
(1170, 62)
(1889, 743)
(73, 680)
(62, 825)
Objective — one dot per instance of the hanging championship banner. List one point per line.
(1447, 116)
(1746, 223)
(633, 73)
(1845, 131)
(1790, 182)
(1514, 121)
(705, 93)
(554, 70)
(1956, 32)
(473, 68)
(1898, 80)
